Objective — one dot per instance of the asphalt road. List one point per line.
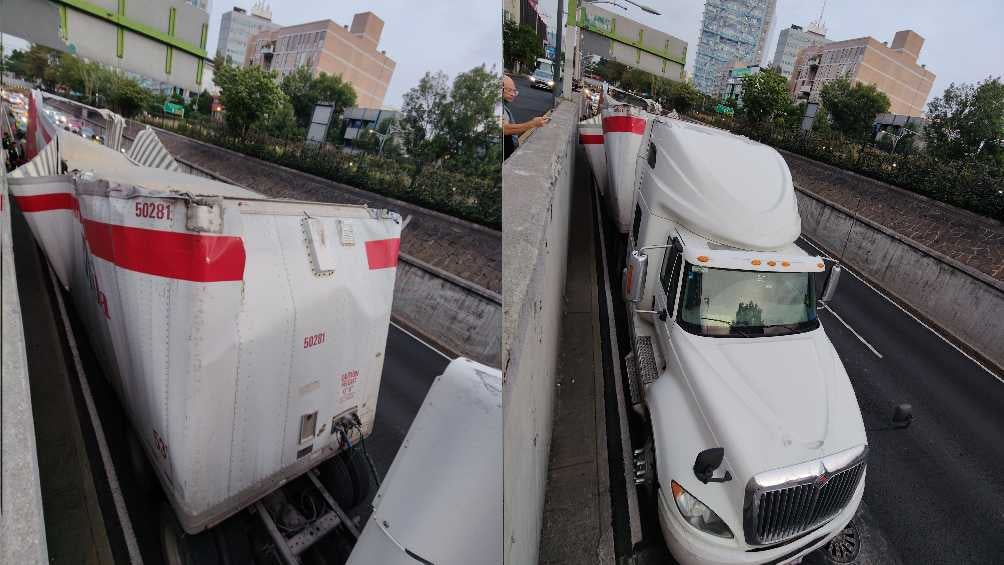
(410, 367)
(530, 101)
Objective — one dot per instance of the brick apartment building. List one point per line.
(324, 46)
(892, 69)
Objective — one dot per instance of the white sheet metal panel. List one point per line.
(148, 151)
(218, 334)
(623, 129)
(705, 174)
(591, 139)
(442, 497)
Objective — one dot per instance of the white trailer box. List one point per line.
(591, 139)
(235, 329)
(623, 130)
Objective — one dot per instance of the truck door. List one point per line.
(666, 296)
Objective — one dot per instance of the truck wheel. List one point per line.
(347, 477)
(180, 548)
(845, 547)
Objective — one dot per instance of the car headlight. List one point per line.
(532, 79)
(698, 515)
(550, 83)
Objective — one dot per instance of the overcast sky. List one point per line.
(963, 41)
(452, 36)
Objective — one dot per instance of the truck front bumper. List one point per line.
(692, 547)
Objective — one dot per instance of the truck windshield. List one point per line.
(734, 303)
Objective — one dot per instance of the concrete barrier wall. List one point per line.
(536, 203)
(459, 317)
(960, 300)
(22, 531)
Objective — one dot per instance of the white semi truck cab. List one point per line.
(758, 450)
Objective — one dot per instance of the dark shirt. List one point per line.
(509, 142)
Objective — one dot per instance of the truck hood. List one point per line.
(772, 401)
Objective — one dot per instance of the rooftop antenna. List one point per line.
(817, 26)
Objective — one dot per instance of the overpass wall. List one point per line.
(537, 204)
(22, 530)
(959, 299)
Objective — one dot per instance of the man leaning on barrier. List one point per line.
(510, 130)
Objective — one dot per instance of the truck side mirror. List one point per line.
(830, 286)
(633, 281)
(708, 461)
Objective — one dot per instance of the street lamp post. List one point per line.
(383, 137)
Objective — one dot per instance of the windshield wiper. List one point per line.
(731, 325)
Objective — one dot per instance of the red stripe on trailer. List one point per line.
(382, 253)
(590, 138)
(47, 202)
(623, 124)
(185, 256)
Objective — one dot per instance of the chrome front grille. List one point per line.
(782, 504)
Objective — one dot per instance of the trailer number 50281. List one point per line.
(312, 340)
(155, 210)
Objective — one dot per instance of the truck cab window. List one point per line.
(670, 276)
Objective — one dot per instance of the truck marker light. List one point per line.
(703, 258)
(771, 263)
(755, 262)
(820, 265)
(629, 279)
(785, 264)
(677, 489)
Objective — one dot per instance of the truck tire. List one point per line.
(180, 548)
(845, 547)
(347, 478)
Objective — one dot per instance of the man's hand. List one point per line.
(539, 121)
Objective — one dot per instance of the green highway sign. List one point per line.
(172, 108)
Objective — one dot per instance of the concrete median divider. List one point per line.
(536, 204)
(961, 301)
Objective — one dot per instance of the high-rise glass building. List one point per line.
(237, 26)
(733, 32)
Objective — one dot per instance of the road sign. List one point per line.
(172, 108)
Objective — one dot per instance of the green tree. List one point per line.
(202, 104)
(610, 71)
(249, 96)
(853, 107)
(31, 64)
(421, 117)
(682, 97)
(305, 91)
(128, 97)
(967, 120)
(520, 46)
(469, 124)
(765, 96)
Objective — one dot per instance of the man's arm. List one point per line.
(517, 129)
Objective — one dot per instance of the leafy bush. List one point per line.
(968, 184)
(476, 199)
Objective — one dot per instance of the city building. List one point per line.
(237, 26)
(619, 38)
(358, 121)
(324, 46)
(731, 31)
(510, 9)
(792, 40)
(892, 69)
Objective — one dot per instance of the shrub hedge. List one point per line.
(475, 199)
(971, 185)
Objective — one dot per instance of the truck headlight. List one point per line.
(698, 515)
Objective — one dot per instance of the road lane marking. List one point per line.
(420, 340)
(848, 326)
(905, 311)
(106, 458)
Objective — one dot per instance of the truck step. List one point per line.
(647, 370)
(634, 387)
